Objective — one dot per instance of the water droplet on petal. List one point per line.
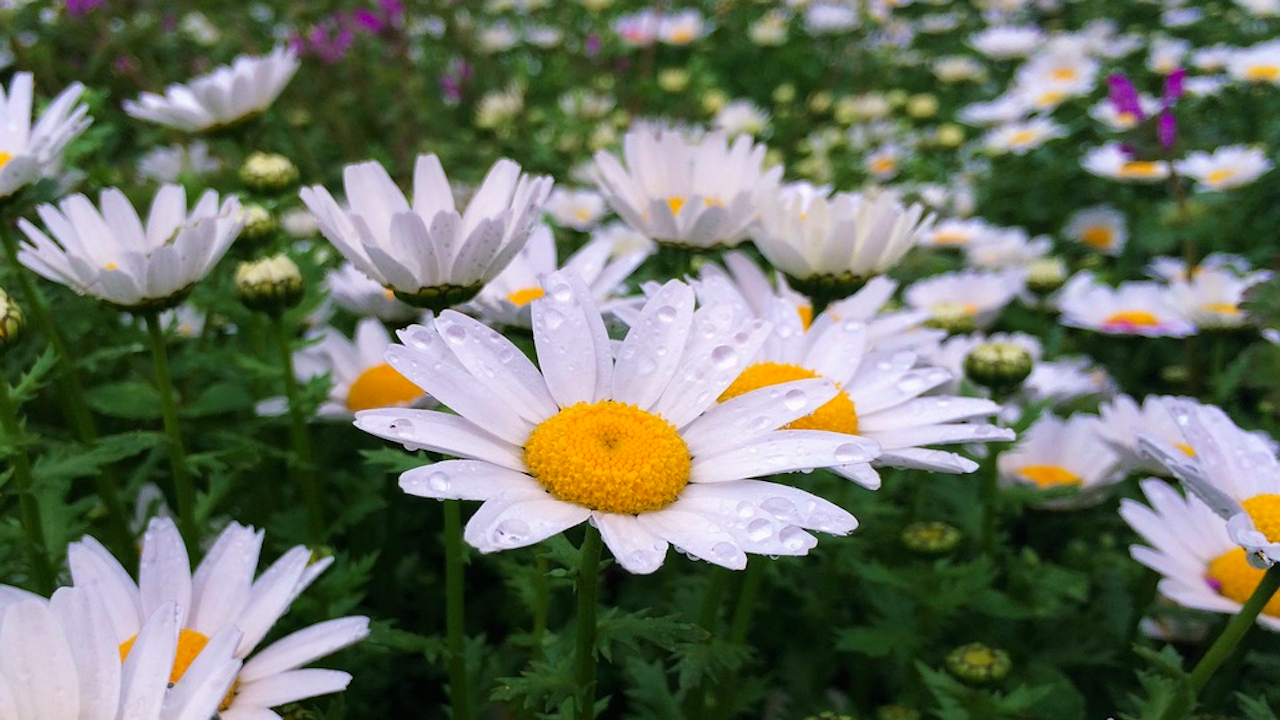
(562, 293)
(438, 481)
(795, 399)
(850, 453)
(724, 550)
(552, 318)
(401, 427)
(510, 532)
(759, 530)
(666, 313)
(793, 538)
(455, 334)
(724, 357)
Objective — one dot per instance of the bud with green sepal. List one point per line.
(931, 538)
(270, 285)
(12, 321)
(978, 664)
(1000, 366)
(268, 173)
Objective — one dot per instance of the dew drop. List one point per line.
(850, 453)
(724, 357)
(724, 550)
(552, 318)
(759, 530)
(510, 532)
(455, 334)
(401, 427)
(793, 538)
(795, 399)
(562, 293)
(667, 314)
(438, 481)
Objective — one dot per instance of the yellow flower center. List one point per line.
(1184, 447)
(806, 315)
(1220, 175)
(1232, 577)
(582, 214)
(1269, 73)
(675, 203)
(1098, 236)
(951, 237)
(381, 386)
(190, 643)
(111, 266)
(609, 456)
(5, 158)
(838, 415)
(1129, 319)
(1051, 97)
(951, 309)
(1048, 475)
(883, 165)
(1064, 74)
(1126, 119)
(1140, 168)
(524, 296)
(1264, 510)
(682, 36)
(1220, 308)
(1023, 137)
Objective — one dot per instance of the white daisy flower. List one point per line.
(879, 389)
(1200, 566)
(1010, 249)
(429, 254)
(740, 117)
(959, 232)
(682, 28)
(685, 192)
(356, 293)
(1226, 167)
(1211, 59)
(574, 208)
(1061, 381)
(743, 282)
(1171, 269)
(1055, 453)
(27, 152)
(1111, 161)
(1055, 75)
(225, 96)
(112, 256)
(950, 353)
(170, 164)
(1134, 308)
(1261, 8)
(60, 660)
(1005, 42)
(967, 299)
(883, 163)
(1166, 54)
(1108, 114)
(1020, 138)
(1122, 419)
(1211, 298)
(631, 441)
(1007, 108)
(1234, 472)
(829, 248)
(1101, 228)
(505, 300)
(222, 593)
(1257, 64)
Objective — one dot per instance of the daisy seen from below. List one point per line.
(1133, 308)
(632, 442)
(1020, 138)
(1257, 64)
(108, 252)
(221, 593)
(505, 300)
(879, 390)
(1211, 297)
(958, 232)
(429, 254)
(1186, 542)
(60, 660)
(1102, 228)
(576, 208)
(830, 248)
(1226, 167)
(967, 300)
(1233, 471)
(26, 152)
(1122, 419)
(679, 191)
(1056, 453)
(1112, 161)
(223, 97)
(360, 295)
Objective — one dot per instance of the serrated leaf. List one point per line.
(33, 379)
(130, 400)
(617, 628)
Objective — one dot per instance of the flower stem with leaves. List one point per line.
(183, 486)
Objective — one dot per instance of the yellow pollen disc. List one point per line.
(884, 165)
(1220, 175)
(1221, 308)
(582, 214)
(1263, 72)
(1126, 119)
(1023, 137)
(1131, 319)
(111, 266)
(190, 643)
(523, 297)
(951, 238)
(389, 294)
(1064, 74)
(806, 315)
(5, 158)
(675, 203)
(1232, 577)
(1140, 168)
(950, 309)
(1052, 97)
(838, 415)
(1098, 236)
(1190, 451)
(1048, 475)
(683, 36)
(609, 456)
(1264, 510)
(713, 202)
(381, 386)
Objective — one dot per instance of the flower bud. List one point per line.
(949, 135)
(931, 538)
(270, 285)
(953, 317)
(978, 664)
(673, 80)
(1044, 275)
(12, 320)
(268, 173)
(922, 106)
(259, 224)
(1001, 366)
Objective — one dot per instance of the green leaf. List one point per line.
(618, 628)
(32, 380)
(78, 461)
(131, 400)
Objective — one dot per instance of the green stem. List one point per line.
(302, 465)
(739, 624)
(455, 626)
(24, 482)
(711, 599)
(990, 472)
(541, 605)
(72, 396)
(588, 590)
(184, 488)
(1235, 629)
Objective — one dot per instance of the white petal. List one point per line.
(519, 518)
(636, 549)
(304, 646)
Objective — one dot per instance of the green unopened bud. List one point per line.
(673, 80)
(922, 106)
(979, 664)
(259, 224)
(271, 285)
(1046, 275)
(931, 538)
(12, 321)
(954, 317)
(1001, 366)
(268, 173)
(784, 94)
(896, 712)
